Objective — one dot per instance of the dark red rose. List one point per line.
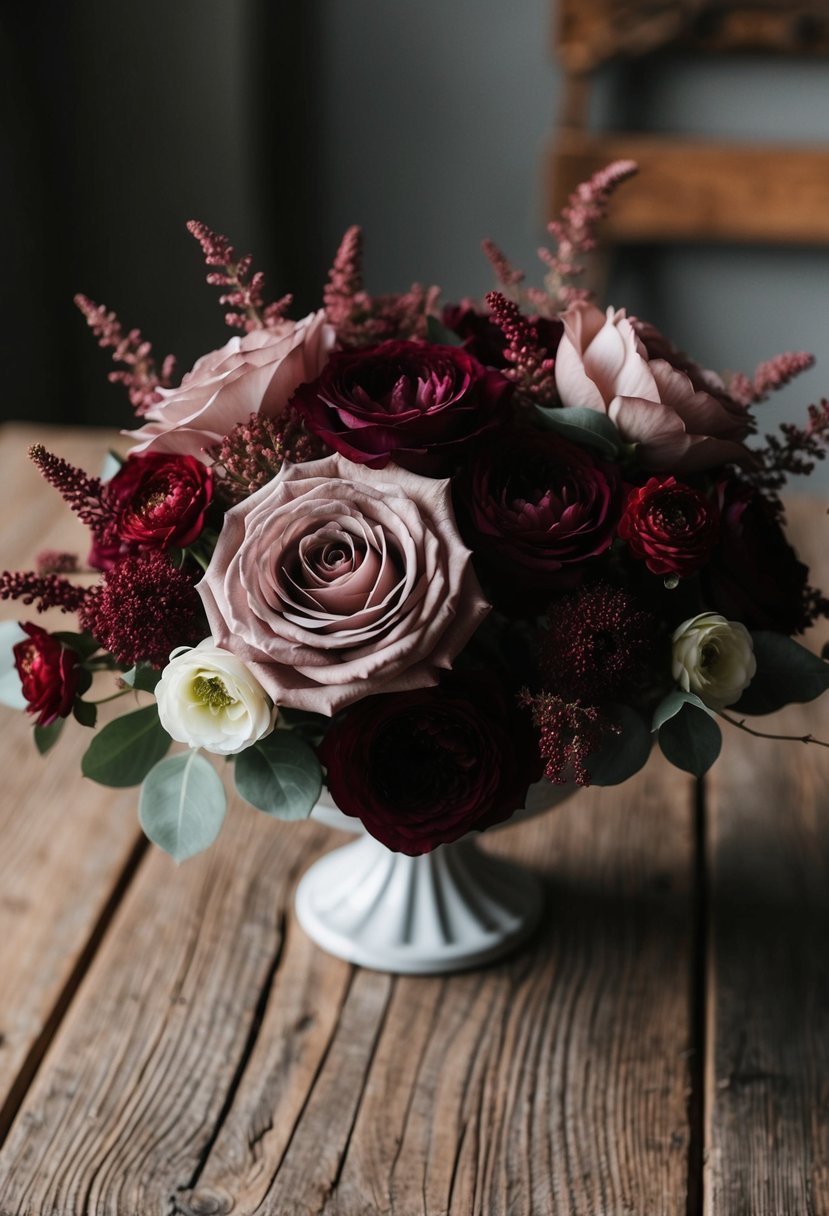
(669, 526)
(537, 510)
(159, 500)
(49, 673)
(414, 403)
(485, 340)
(754, 575)
(423, 768)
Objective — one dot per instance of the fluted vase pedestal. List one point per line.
(454, 908)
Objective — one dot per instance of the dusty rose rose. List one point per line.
(253, 374)
(336, 581)
(602, 364)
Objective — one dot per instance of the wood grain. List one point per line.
(67, 849)
(768, 1000)
(215, 1061)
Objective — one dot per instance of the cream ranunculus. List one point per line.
(713, 658)
(208, 698)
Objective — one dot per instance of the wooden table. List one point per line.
(170, 1042)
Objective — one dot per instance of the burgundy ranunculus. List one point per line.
(49, 674)
(423, 768)
(413, 403)
(536, 510)
(485, 340)
(160, 500)
(754, 575)
(669, 526)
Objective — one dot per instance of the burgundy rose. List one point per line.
(537, 510)
(669, 526)
(160, 500)
(754, 575)
(49, 674)
(485, 340)
(423, 768)
(413, 403)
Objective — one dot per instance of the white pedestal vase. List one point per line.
(447, 910)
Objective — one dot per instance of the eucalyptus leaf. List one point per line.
(47, 736)
(279, 775)
(82, 643)
(672, 704)
(691, 740)
(142, 678)
(620, 755)
(583, 425)
(124, 751)
(182, 804)
(437, 332)
(786, 672)
(11, 693)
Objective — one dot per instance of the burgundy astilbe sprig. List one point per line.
(243, 295)
(769, 376)
(56, 561)
(45, 590)
(530, 369)
(254, 451)
(140, 376)
(360, 319)
(568, 733)
(143, 609)
(794, 452)
(84, 494)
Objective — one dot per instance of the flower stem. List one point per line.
(761, 734)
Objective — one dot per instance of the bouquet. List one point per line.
(426, 556)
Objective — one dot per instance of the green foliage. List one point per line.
(47, 736)
(437, 332)
(124, 751)
(786, 672)
(583, 425)
(690, 739)
(142, 678)
(620, 755)
(279, 775)
(182, 805)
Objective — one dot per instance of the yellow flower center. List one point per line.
(211, 691)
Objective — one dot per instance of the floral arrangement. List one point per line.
(423, 555)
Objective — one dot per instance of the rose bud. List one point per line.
(208, 698)
(669, 526)
(413, 403)
(713, 658)
(424, 767)
(49, 673)
(160, 500)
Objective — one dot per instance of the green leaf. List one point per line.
(124, 751)
(622, 755)
(85, 712)
(83, 644)
(142, 678)
(279, 775)
(11, 693)
(672, 704)
(786, 672)
(182, 804)
(583, 425)
(691, 740)
(437, 332)
(47, 736)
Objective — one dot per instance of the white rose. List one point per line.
(208, 698)
(713, 658)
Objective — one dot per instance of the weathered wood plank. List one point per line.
(768, 1051)
(67, 849)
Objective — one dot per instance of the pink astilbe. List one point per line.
(363, 320)
(530, 369)
(140, 376)
(508, 277)
(45, 590)
(56, 561)
(254, 452)
(769, 376)
(243, 297)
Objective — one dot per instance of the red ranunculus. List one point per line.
(669, 526)
(413, 403)
(536, 510)
(160, 500)
(425, 767)
(49, 674)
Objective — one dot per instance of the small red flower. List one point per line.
(49, 674)
(669, 526)
(159, 500)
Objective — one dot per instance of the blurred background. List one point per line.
(431, 125)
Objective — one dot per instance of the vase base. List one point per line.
(454, 908)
